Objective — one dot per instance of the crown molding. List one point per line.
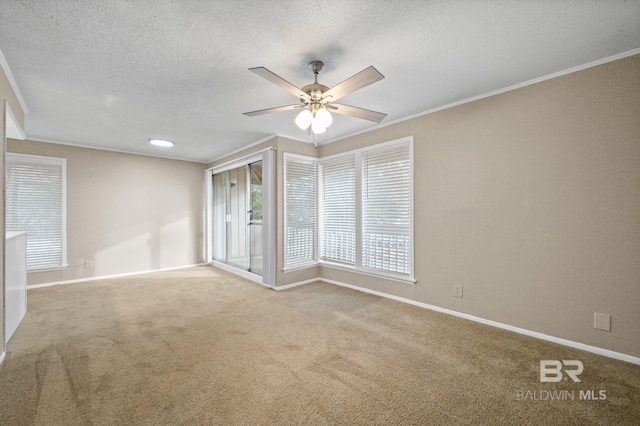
(567, 71)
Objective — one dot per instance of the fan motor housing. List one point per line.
(315, 90)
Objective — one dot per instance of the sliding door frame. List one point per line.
(267, 157)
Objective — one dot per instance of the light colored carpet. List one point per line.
(201, 346)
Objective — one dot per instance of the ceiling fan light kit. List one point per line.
(316, 99)
(318, 120)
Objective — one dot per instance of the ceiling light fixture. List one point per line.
(317, 99)
(161, 142)
(315, 117)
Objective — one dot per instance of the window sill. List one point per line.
(300, 267)
(370, 272)
(48, 269)
(348, 268)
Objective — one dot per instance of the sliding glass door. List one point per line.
(241, 216)
(256, 233)
(220, 216)
(237, 217)
(238, 254)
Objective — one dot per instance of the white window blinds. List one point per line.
(35, 203)
(337, 187)
(301, 211)
(386, 209)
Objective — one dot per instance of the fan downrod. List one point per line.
(315, 89)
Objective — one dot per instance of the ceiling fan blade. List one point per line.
(270, 110)
(357, 112)
(279, 81)
(364, 78)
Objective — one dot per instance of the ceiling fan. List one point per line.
(316, 100)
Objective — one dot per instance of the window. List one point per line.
(36, 203)
(338, 209)
(386, 210)
(364, 210)
(301, 211)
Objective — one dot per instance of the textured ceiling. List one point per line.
(114, 73)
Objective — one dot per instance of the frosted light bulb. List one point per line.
(324, 117)
(317, 128)
(303, 120)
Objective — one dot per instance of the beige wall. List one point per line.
(127, 213)
(6, 95)
(531, 200)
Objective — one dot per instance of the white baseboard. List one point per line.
(577, 345)
(297, 284)
(104, 277)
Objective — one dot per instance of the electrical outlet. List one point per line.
(457, 291)
(190, 254)
(88, 264)
(602, 321)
